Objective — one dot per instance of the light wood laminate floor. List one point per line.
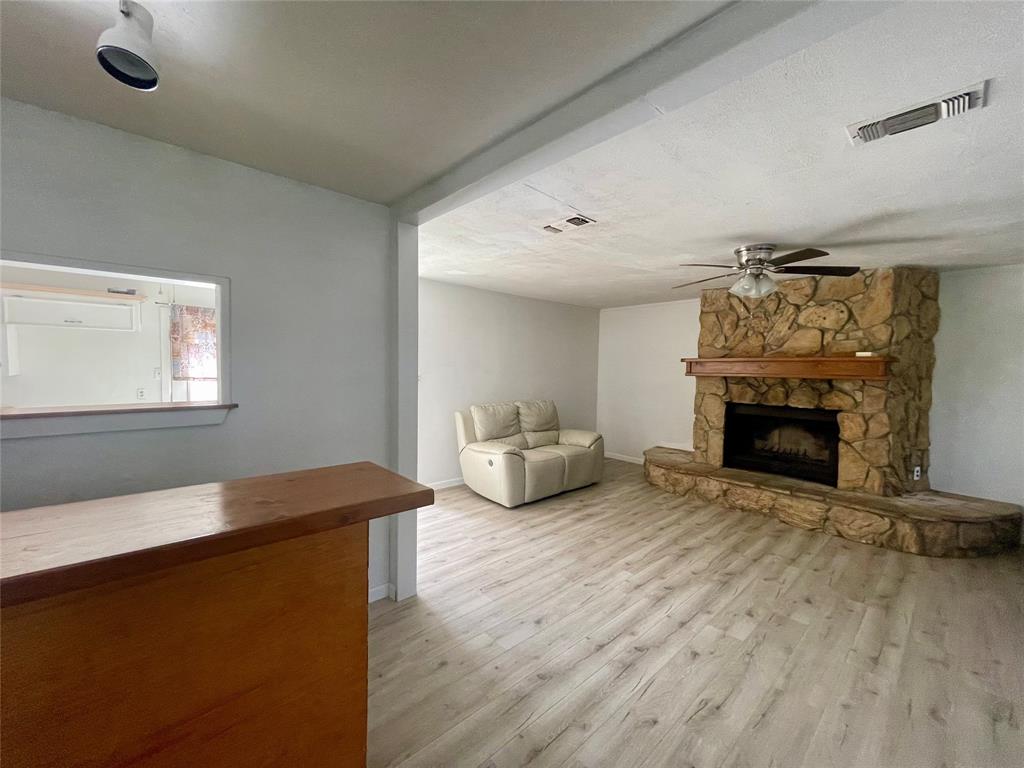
(623, 626)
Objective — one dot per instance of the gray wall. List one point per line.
(977, 421)
(311, 305)
(643, 398)
(481, 347)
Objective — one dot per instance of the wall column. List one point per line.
(402, 527)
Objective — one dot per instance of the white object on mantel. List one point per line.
(865, 354)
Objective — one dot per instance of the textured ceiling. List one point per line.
(766, 158)
(368, 98)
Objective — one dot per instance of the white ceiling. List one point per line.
(373, 99)
(766, 158)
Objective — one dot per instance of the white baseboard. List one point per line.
(640, 459)
(446, 483)
(623, 457)
(380, 592)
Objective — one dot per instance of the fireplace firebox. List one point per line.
(796, 442)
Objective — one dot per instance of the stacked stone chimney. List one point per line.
(883, 425)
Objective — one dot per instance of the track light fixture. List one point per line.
(126, 52)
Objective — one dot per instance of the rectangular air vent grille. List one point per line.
(871, 131)
(956, 105)
(950, 105)
(578, 221)
(914, 118)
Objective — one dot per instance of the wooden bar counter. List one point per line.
(213, 625)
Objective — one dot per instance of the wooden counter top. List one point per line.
(46, 551)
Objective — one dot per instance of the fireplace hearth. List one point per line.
(796, 442)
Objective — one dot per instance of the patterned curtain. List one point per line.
(193, 342)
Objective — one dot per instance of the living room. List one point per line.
(628, 387)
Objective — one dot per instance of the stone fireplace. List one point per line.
(796, 442)
(882, 424)
(830, 443)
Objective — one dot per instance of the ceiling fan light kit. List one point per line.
(753, 286)
(756, 263)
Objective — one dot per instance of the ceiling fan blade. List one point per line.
(705, 280)
(802, 255)
(716, 266)
(831, 271)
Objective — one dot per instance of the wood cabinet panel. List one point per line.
(251, 658)
(209, 626)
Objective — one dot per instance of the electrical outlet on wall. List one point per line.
(140, 393)
(917, 473)
(157, 373)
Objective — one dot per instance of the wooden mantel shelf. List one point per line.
(790, 367)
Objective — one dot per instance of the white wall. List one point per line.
(643, 397)
(311, 306)
(977, 419)
(480, 347)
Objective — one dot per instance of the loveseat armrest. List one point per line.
(581, 437)
(493, 448)
(496, 471)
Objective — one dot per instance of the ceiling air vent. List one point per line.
(950, 105)
(578, 221)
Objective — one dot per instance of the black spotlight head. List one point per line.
(126, 51)
(124, 66)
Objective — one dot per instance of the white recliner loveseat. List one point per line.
(515, 452)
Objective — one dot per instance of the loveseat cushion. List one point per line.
(495, 420)
(580, 464)
(537, 415)
(517, 440)
(545, 473)
(540, 439)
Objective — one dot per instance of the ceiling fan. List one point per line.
(755, 265)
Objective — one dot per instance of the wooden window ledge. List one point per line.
(81, 419)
